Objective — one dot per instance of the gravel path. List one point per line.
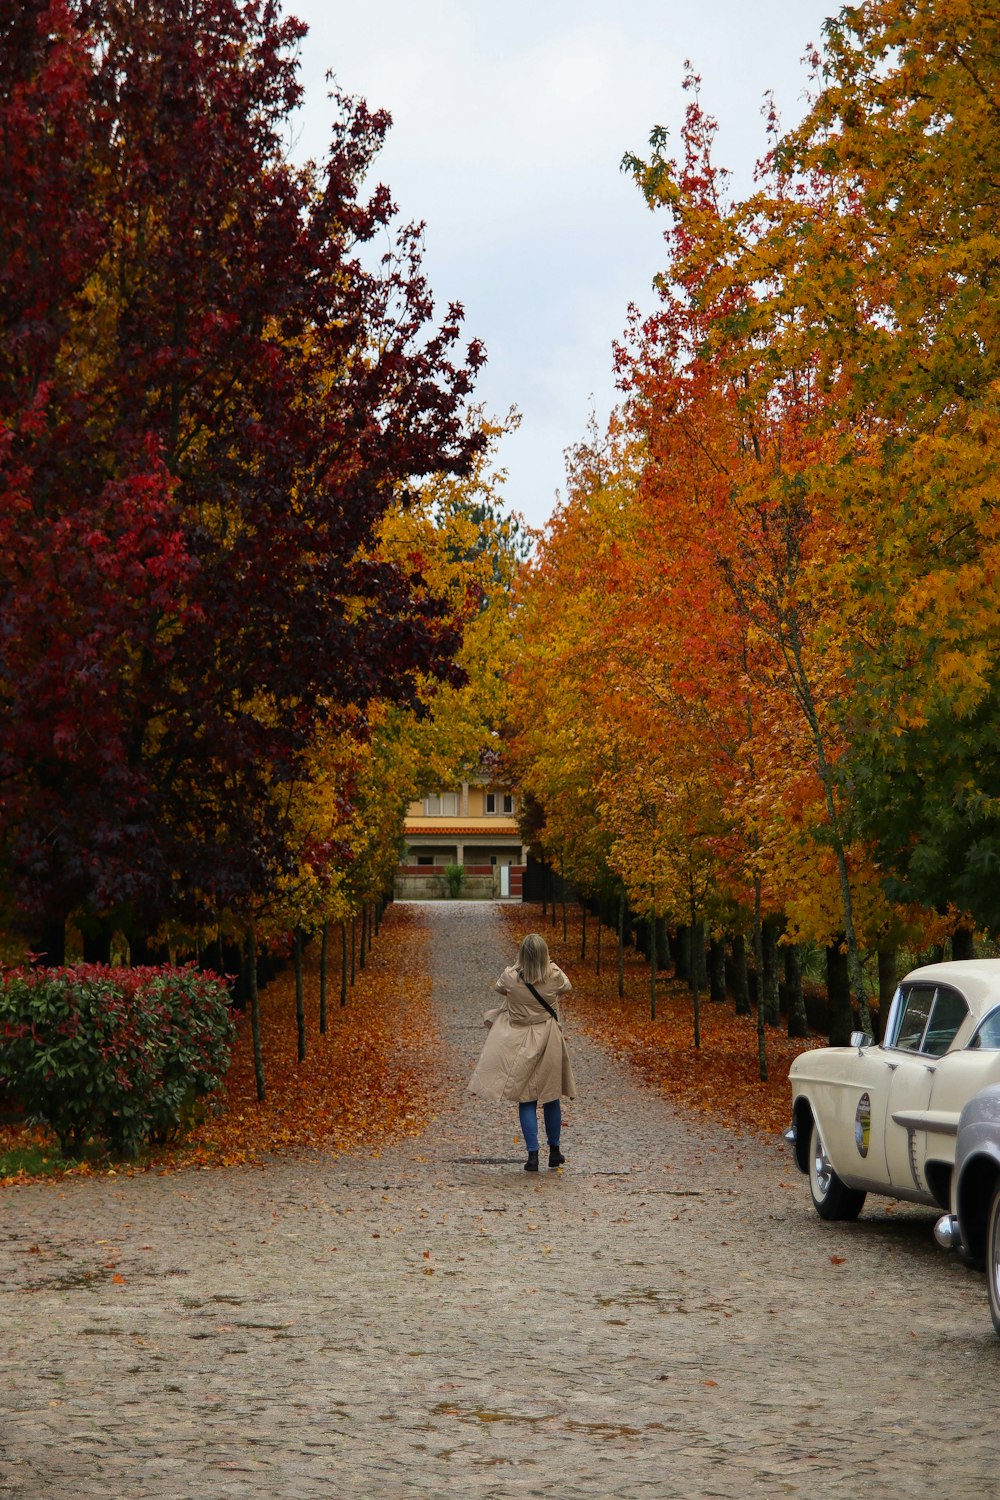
(664, 1317)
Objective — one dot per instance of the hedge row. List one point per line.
(120, 1055)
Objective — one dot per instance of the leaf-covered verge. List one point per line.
(368, 1082)
(719, 1079)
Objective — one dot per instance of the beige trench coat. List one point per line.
(525, 1055)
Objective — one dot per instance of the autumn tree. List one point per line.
(363, 765)
(208, 405)
(746, 642)
(905, 130)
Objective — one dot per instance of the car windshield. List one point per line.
(988, 1035)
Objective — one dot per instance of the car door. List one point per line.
(926, 1079)
(909, 1098)
(959, 1074)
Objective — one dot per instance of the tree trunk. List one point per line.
(682, 953)
(758, 953)
(300, 1002)
(323, 950)
(364, 936)
(230, 958)
(562, 894)
(142, 953)
(699, 969)
(795, 1000)
(343, 963)
(52, 949)
(652, 955)
(962, 945)
(583, 933)
(258, 1051)
(211, 956)
(627, 922)
(353, 949)
(838, 989)
(97, 942)
(803, 691)
(600, 926)
(886, 988)
(621, 945)
(662, 944)
(696, 938)
(717, 971)
(769, 996)
(741, 979)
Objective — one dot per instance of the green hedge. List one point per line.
(120, 1055)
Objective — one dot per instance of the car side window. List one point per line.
(912, 1017)
(988, 1035)
(949, 1011)
(928, 1019)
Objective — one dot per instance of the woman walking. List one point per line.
(524, 1060)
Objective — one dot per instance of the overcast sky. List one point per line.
(509, 125)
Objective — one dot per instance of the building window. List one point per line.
(508, 802)
(441, 804)
(491, 802)
(425, 859)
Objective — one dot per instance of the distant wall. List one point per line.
(482, 883)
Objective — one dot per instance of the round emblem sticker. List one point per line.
(863, 1124)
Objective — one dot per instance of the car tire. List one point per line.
(993, 1258)
(831, 1199)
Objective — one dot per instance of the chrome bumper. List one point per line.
(947, 1232)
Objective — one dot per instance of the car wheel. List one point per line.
(993, 1258)
(831, 1199)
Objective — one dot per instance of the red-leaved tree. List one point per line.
(207, 401)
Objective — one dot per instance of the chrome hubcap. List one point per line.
(822, 1168)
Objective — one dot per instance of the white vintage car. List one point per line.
(883, 1118)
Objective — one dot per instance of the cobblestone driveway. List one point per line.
(665, 1317)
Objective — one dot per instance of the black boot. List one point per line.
(531, 1165)
(556, 1157)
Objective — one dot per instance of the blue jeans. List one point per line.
(529, 1122)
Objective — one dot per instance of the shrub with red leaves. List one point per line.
(123, 1055)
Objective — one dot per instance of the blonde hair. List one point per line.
(533, 958)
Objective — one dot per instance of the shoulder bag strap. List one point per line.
(541, 1000)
